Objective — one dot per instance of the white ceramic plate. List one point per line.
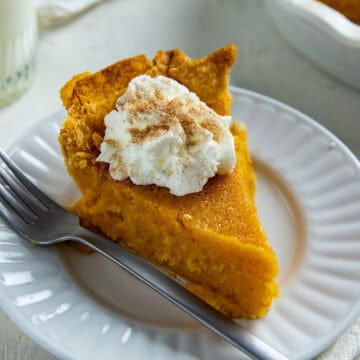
(309, 201)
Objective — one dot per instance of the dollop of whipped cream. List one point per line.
(163, 134)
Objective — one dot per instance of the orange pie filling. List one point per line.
(213, 237)
(349, 8)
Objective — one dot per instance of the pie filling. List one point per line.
(212, 237)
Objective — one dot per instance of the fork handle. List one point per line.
(178, 295)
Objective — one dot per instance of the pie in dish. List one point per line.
(349, 8)
(212, 238)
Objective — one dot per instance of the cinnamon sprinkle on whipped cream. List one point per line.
(163, 134)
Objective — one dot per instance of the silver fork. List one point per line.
(35, 217)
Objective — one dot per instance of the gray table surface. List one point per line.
(122, 28)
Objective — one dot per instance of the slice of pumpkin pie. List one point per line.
(164, 173)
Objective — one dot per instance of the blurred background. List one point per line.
(115, 29)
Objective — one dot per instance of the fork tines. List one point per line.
(20, 200)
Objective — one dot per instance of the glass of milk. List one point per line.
(18, 35)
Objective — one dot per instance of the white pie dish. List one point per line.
(86, 308)
(322, 34)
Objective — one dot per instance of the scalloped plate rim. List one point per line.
(54, 347)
